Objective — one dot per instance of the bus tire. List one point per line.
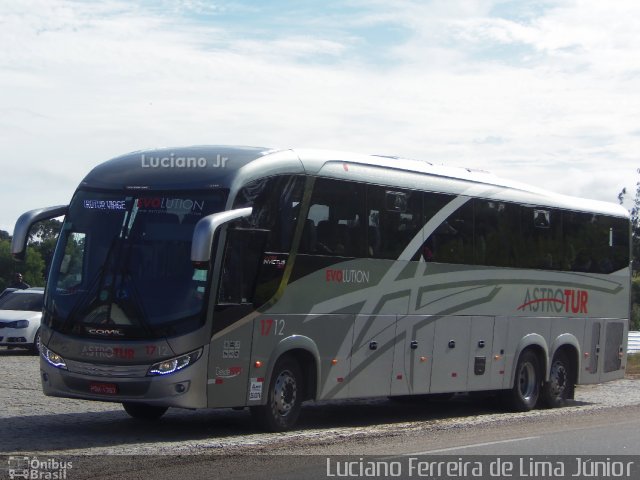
(143, 411)
(526, 385)
(284, 397)
(557, 390)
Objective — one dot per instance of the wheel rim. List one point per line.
(285, 393)
(527, 381)
(558, 379)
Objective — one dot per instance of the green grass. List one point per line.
(633, 364)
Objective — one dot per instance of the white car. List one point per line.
(20, 316)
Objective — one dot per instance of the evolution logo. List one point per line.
(346, 276)
(171, 205)
(557, 300)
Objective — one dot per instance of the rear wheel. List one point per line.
(526, 387)
(284, 397)
(143, 411)
(558, 389)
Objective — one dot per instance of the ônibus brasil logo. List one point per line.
(557, 300)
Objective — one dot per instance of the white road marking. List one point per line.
(440, 450)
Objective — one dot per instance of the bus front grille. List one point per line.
(99, 370)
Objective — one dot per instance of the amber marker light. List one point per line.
(334, 361)
(258, 364)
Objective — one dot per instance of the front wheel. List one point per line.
(35, 348)
(284, 397)
(526, 387)
(143, 411)
(558, 389)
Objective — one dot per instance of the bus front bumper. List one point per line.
(186, 388)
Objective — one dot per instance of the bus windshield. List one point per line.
(124, 261)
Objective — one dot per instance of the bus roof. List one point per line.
(206, 167)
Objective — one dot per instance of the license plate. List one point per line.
(103, 388)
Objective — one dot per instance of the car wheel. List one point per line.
(35, 348)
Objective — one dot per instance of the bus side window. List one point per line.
(394, 219)
(275, 201)
(455, 237)
(497, 233)
(243, 256)
(432, 203)
(334, 225)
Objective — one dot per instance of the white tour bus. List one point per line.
(243, 277)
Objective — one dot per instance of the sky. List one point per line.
(544, 92)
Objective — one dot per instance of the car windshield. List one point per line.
(31, 302)
(125, 260)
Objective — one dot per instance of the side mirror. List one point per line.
(205, 231)
(26, 221)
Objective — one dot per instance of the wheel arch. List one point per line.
(539, 346)
(569, 345)
(305, 351)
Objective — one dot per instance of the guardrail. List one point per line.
(633, 346)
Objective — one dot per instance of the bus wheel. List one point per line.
(557, 390)
(284, 397)
(526, 388)
(143, 411)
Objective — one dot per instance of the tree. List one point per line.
(41, 244)
(6, 264)
(42, 238)
(635, 220)
(32, 268)
(43, 231)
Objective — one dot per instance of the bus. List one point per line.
(216, 276)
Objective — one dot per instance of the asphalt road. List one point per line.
(103, 442)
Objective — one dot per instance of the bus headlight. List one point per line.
(52, 358)
(174, 364)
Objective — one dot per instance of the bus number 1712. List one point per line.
(269, 326)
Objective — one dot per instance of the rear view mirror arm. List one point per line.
(26, 221)
(205, 231)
